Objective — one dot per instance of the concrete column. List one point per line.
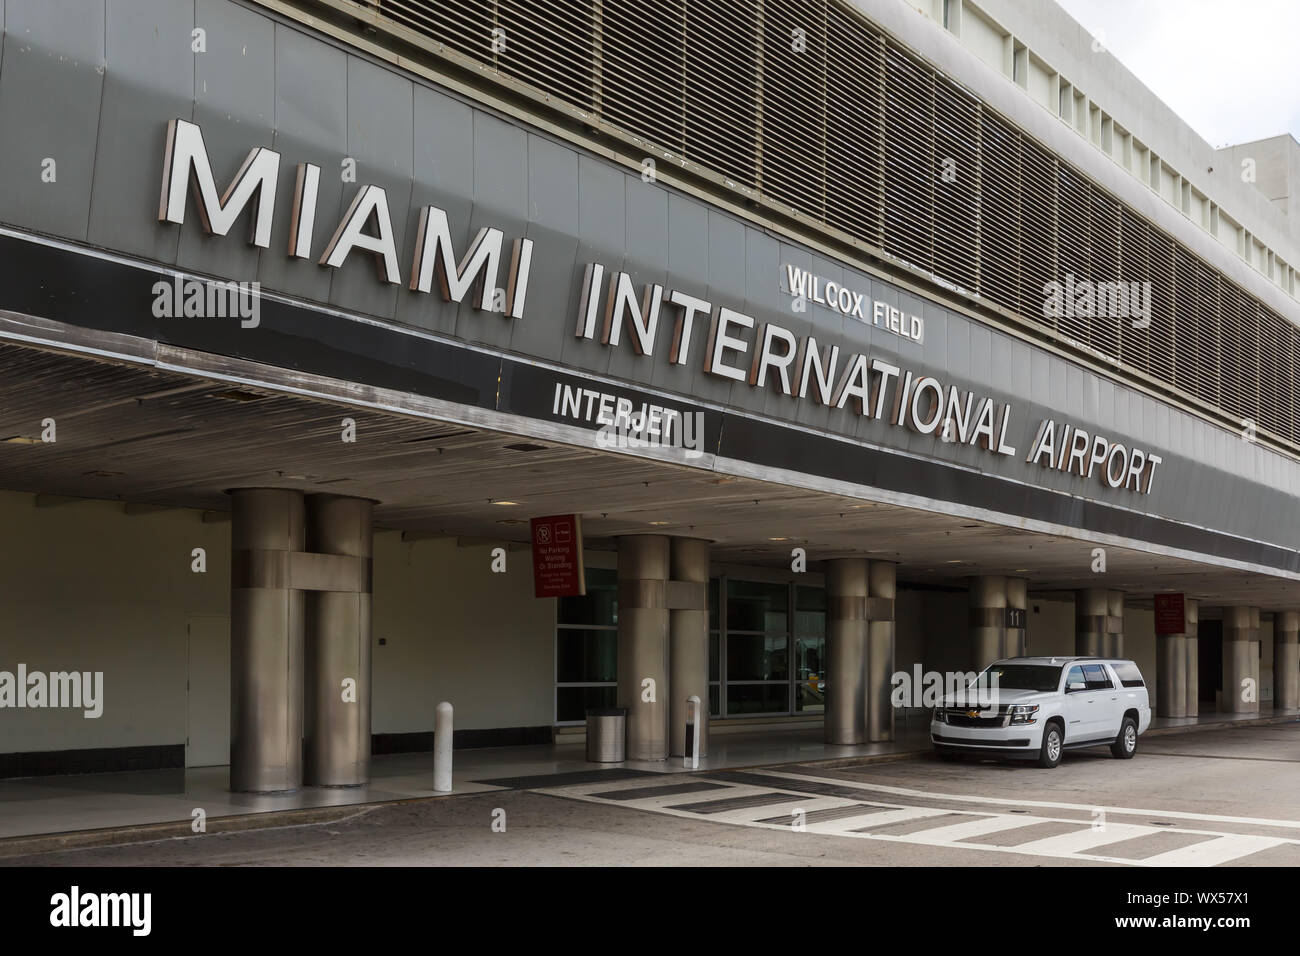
(1238, 666)
(1015, 641)
(1091, 610)
(1171, 674)
(1114, 624)
(1192, 695)
(266, 641)
(688, 639)
(881, 581)
(846, 650)
(643, 643)
(988, 619)
(1286, 660)
(336, 720)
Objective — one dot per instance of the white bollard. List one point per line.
(691, 758)
(442, 739)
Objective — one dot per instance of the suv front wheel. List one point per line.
(1053, 742)
(1126, 744)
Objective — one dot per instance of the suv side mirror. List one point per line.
(1074, 685)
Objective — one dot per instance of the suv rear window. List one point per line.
(1128, 674)
(1096, 677)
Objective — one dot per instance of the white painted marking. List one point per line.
(1067, 844)
(1087, 808)
(971, 828)
(1214, 852)
(843, 825)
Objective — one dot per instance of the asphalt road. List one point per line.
(1226, 798)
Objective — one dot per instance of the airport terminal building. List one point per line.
(358, 355)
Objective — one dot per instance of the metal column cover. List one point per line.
(1015, 642)
(1190, 630)
(1114, 646)
(1091, 608)
(1171, 674)
(846, 651)
(1237, 651)
(337, 647)
(688, 640)
(881, 582)
(1286, 660)
(988, 619)
(266, 641)
(643, 643)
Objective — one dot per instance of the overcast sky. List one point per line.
(1229, 68)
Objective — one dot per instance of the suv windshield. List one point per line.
(1040, 677)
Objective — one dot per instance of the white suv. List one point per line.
(1035, 707)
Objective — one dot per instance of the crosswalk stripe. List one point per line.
(757, 814)
(970, 828)
(1214, 852)
(848, 824)
(1080, 841)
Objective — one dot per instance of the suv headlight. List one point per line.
(939, 716)
(1023, 713)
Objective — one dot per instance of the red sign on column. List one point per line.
(557, 556)
(1171, 618)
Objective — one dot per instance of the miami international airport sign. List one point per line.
(763, 355)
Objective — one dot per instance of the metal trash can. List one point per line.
(606, 734)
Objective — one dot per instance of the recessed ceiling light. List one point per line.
(658, 522)
(778, 539)
(510, 521)
(503, 502)
(21, 440)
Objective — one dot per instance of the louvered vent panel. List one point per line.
(794, 105)
(529, 35)
(910, 162)
(1081, 321)
(956, 189)
(1000, 229)
(722, 89)
(1275, 373)
(1111, 332)
(1164, 317)
(853, 130)
(1189, 319)
(855, 96)
(1039, 264)
(643, 69)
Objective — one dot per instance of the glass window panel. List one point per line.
(714, 604)
(810, 610)
(715, 695)
(715, 657)
(757, 606)
(600, 604)
(810, 695)
(571, 703)
(757, 699)
(757, 657)
(809, 658)
(586, 656)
